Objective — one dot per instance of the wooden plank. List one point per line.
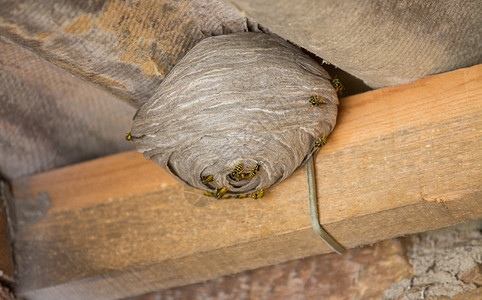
(472, 294)
(384, 43)
(49, 118)
(125, 47)
(7, 268)
(401, 160)
(326, 276)
(437, 262)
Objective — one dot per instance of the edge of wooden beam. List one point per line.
(401, 160)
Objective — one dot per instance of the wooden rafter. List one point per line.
(401, 160)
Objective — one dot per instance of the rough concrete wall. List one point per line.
(445, 262)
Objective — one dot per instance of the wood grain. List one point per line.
(401, 160)
(50, 119)
(382, 43)
(326, 276)
(125, 47)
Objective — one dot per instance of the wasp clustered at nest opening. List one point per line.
(238, 114)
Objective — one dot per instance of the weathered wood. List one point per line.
(6, 293)
(401, 160)
(438, 262)
(473, 294)
(384, 43)
(125, 47)
(327, 277)
(49, 118)
(7, 268)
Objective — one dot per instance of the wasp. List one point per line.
(220, 193)
(338, 86)
(320, 142)
(129, 137)
(236, 172)
(316, 101)
(207, 179)
(259, 194)
(241, 196)
(252, 173)
(212, 195)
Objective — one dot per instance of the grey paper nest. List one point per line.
(237, 98)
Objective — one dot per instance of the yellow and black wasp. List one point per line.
(236, 172)
(240, 196)
(207, 179)
(218, 193)
(129, 137)
(251, 173)
(338, 86)
(315, 100)
(320, 142)
(257, 195)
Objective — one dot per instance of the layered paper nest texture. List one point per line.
(237, 98)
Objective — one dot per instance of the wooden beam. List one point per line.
(125, 47)
(36, 98)
(325, 276)
(343, 32)
(7, 268)
(401, 160)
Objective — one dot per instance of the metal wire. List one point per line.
(337, 247)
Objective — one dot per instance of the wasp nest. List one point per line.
(237, 99)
